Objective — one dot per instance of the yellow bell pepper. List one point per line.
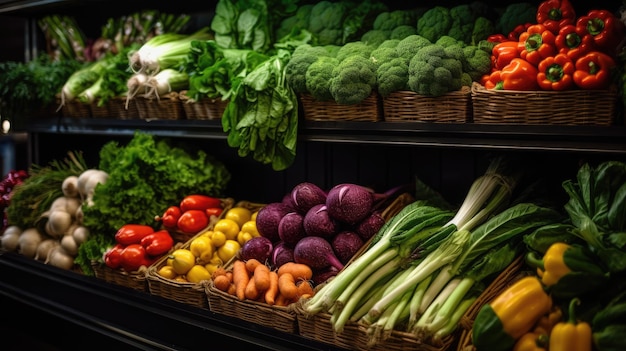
(532, 341)
(571, 335)
(510, 315)
(181, 260)
(198, 273)
(202, 248)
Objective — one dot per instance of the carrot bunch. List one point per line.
(253, 280)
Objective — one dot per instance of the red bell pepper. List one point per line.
(536, 43)
(170, 217)
(606, 29)
(556, 73)
(503, 53)
(593, 71)
(132, 233)
(193, 221)
(517, 31)
(199, 202)
(157, 243)
(134, 256)
(492, 80)
(497, 38)
(574, 41)
(518, 75)
(214, 211)
(113, 256)
(554, 14)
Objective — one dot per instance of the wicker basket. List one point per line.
(182, 237)
(134, 280)
(408, 106)
(164, 107)
(99, 111)
(570, 107)
(368, 110)
(206, 108)
(76, 109)
(122, 109)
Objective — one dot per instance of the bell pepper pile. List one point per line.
(192, 214)
(559, 52)
(137, 245)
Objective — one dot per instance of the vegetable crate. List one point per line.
(75, 109)
(122, 109)
(569, 107)
(134, 280)
(408, 106)
(205, 109)
(183, 237)
(512, 273)
(368, 110)
(168, 106)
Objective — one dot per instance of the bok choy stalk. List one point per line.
(81, 80)
(166, 81)
(165, 51)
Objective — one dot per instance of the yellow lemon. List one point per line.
(238, 214)
(250, 227)
(181, 261)
(210, 267)
(228, 250)
(243, 237)
(197, 274)
(229, 227)
(218, 239)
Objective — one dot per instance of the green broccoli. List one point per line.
(392, 75)
(389, 43)
(389, 20)
(483, 28)
(515, 14)
(375, 36)
(360, 18)
(326, 22)
(434, 23)
(466, 80)
(446, 40)
(383, 54)
(433, 73)
(409, 46)
(295, 70)
(354, 48)
(476, 62)
(318, 77)
(401, 32)
(353, 80)
(463, 18)
(299, 20)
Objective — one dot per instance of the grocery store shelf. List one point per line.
(126, 317)
(592, 139)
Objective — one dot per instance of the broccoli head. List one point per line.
(354, 48)
(389, 20)
(434, 23)
(514, 14)
(384, 54)
(318, 77)
(389, 43)
(432, 72)
(476, 62)
(295, 70)
(483, 28)
(410, 45)
(401, 32)
(326, 21)
(392, 75)
(375, 36)
(463, 18)
(446, 40)
(353, 80)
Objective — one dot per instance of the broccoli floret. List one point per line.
(353, 80)
(295, 70)
(463, 18)
(483, 28)
(433, 73)
(410, 45)
(389, 20)
(466, 80)
(392, 76)
(375, 36)
(514, 14)
(389, 43)
(446, 40)
(354, 48)
(401, 32)
(318, 77)
(382, 55)
(476, 62)
(360, 18)
(434, 23)
(326, 21)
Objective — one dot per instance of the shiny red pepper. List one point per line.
(157, 243)
(518, 75)
(193, 221)
(606, 29)
(134, 256)
(132, 233)
(503, 53)
(574, 41)
(113, 256)
(496, 38)
(170, 217)
(199, 202)
(556, 73)
(554, 14)
(536, 43)
(214, 211)
(593, 71)
(517, 31)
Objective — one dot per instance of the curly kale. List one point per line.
(295, 22)
(392, 75)
(318, 77)
(353, 80)
(432, 72)
(434, 23)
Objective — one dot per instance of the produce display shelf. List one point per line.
(122, 316)
(545, 138)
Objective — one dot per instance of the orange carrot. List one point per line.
(299, 271)
(232, 290)
(251, 292)
(240, 279)
(251, 265)
(262, 277)
(221, 282)
(218, 271)
(304, 288)
(287, 286)
(281, 300)
(272, 291)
